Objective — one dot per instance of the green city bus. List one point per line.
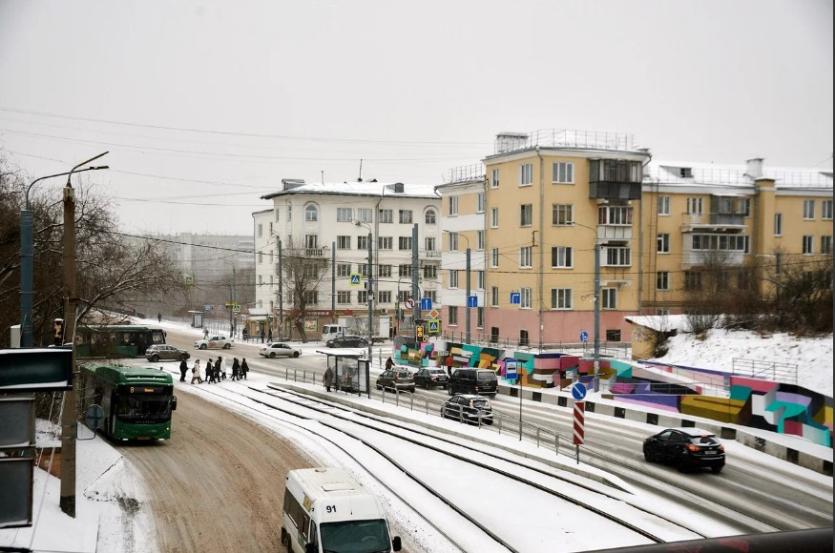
(136, 402)
(116, 340)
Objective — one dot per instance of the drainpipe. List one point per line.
(541, 243)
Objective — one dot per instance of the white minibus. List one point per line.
(327, 510)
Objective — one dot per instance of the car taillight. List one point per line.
(721, 448)
(693, 448)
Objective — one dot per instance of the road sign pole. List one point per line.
(469, 291)
(415, 287)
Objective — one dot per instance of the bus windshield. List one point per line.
(355, 536)
(143, 408)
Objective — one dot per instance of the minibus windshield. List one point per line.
(355, 536)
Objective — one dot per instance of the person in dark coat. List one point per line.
(236, 369)
(270, 335)
(183, 370)
(262, 335)
(327, 379)
(389, 364)
(218, 368)
(244, 368)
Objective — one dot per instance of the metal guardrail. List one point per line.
(773, 370)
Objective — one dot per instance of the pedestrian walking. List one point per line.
(389, 363)
(262, 335)
(245, 333)
(206, 333)
(327, 379)
(195, 372)
(159, 317)
(183, 370)
(244, 368)
(219, 369)
(270, 335)
(236, 369)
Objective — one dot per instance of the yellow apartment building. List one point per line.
(549, 200)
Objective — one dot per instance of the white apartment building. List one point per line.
(317, 219)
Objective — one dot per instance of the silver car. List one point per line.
(278, 349)
(156, 352)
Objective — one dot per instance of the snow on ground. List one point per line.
(813, 356)
(109, 508)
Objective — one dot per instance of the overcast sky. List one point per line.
(291, 89)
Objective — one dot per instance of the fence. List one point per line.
(773, 370)
(607, 348)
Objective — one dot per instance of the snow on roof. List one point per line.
(733, 175)
(661, 323)
(360, 188)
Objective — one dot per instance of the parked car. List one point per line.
(278, 349)
(218, 341)
(468, 408)
(155, 352)
(347, 342)
(399, 379)
(473, 381)
(431, 377)
(686, 448)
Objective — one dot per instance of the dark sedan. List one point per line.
(347, 342)
(468, 408)
(430, 378)
(686, 448)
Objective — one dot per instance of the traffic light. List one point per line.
(419, 332)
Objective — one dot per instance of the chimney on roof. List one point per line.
(289, 184)
(510, 141)
(398, 188)
(754, 167)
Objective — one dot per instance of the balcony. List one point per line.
(431, 254)
(614, 233)
(615, 179)
(724, 219)
(314, 252)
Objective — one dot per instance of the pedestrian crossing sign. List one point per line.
(355, 279)
(433, 326)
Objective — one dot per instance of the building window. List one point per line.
(271, 229)
(404, 243)
(343, 296)
(663, 243)
(778, 224)
(808, 209)
(383, 297)
(613, 335)
(453, 241)
(260, 279)
(343, 242)
(526, 256)
(807, 244)
(663, 205)
(453, 205)
(826, 245)
(405, 216)
(386, 215)
(432, 295)
(563, 172)
(404, 270)
(721, 242)
(526, 174)
(260, 257)
(343, 269)
(494, 257)
(618, 257)
(365, 214)
(826, 210)
(362, 296)
(289, 213)
(561, 257)
(662, 280)
(494, 181)
(494, 334)
(344, 215)
(403, 295)
(384, 242)
(384, 270)
(429, 243)
(479, 280)
(524, 339)
(453, 315)
(610, 298)
(615, 215)
(362, 242)
(430, 217)
(311, 241)
(453, 279)
(662, 311)
(311, 214)
(494, 217)
(479, 317)
(479, 239)
(560, 298)
(692, 280)
(260, 230)
(494, 296)
(311, 297)
(479, 202)
(526, 215)
(562, 214)
(430, 271)
(526, 295)
(694, 206)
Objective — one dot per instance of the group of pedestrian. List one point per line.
(239, 370)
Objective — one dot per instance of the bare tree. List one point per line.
(302, 276)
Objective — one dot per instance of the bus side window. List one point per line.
(314, 536)
(304, 526)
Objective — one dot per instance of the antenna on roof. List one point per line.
(323, 176)
(359, 179)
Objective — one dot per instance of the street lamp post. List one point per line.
(26, 254)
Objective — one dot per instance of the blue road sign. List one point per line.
(584, 336)
(433, 326)
(355, 279)
(426, 304)
(578, 391)
(472, 301)
(515, 298)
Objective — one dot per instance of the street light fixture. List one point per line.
(26, 251)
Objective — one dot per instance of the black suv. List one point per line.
(347, 342)
(686, 448)
(474, 381)
(468, 408)
(429, 378)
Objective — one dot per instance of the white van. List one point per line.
(325, 509)
(332, 331)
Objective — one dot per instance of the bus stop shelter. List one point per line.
(350, 370)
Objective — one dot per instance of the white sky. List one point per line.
(413, 88)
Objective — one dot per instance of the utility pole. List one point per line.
(280, 292)
(333, 282)
(232, 332)
(370, 294)
(415, 287)
(69, 416)
(469, 291)
(596, 314)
